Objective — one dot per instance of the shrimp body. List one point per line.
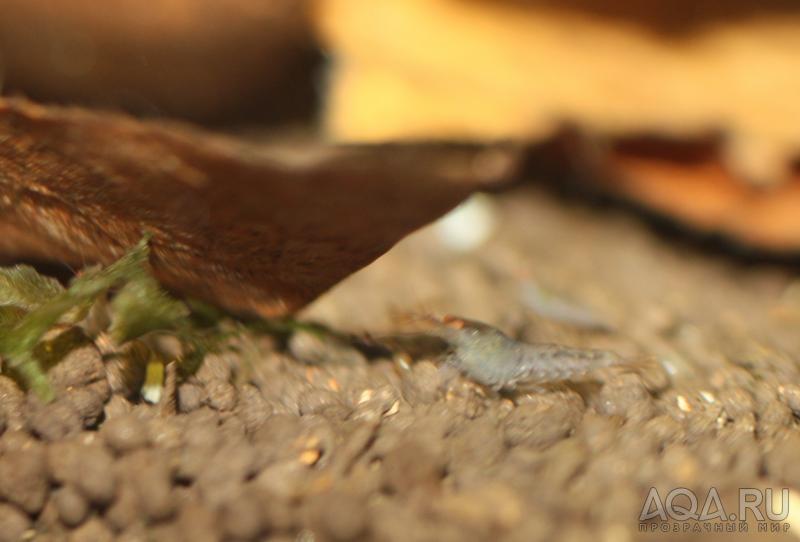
(495, 360)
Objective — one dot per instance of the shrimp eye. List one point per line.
(453, 322)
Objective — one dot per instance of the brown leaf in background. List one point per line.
(701, 191)
(254, 228)
(615, 71)
(686, 180)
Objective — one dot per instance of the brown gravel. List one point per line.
(318, 442)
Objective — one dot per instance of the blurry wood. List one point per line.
(203, 60)
(708, 196)
(686, 180)
(252, 227)
(675, 18)
(483, 70)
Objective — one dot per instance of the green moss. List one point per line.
(31, 304)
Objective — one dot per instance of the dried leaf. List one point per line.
(251, 227)
(488, 69)
(686, 180)
(634, 70)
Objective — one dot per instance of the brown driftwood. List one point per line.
(255, 228)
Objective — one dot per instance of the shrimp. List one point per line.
(493, 359)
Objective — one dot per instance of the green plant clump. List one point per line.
(31, 304)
